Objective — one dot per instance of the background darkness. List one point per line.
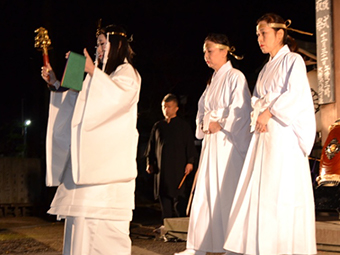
(168, 39)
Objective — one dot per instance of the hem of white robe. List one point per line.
(120, 214)
(205, 250)
(96, 236)
(228, 252)
(235, 251)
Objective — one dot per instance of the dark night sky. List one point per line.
(168, 38)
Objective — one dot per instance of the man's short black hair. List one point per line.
(170, 98)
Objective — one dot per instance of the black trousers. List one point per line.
(173, 206)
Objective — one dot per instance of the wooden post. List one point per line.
(331, 111)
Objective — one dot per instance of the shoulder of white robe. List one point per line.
(127, 69)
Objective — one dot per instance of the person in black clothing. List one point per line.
(171, 155)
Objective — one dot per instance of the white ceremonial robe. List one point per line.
(273, 209)
(96, 237)
(227, 101)
(92, 144)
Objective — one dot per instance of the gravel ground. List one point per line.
(30, 235)
(16, 244)
(44, 236)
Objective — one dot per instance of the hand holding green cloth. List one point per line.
(74, 72)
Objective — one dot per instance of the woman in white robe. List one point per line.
(223, 123)
(91, 150)
(273, 209)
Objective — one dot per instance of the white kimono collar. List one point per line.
(284, 50)
(227, 66)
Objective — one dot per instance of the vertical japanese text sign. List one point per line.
(324, 40)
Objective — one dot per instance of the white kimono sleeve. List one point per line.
(236, 105)
(235, 92)
(104, 143)
(295, 105)
(58, 138)
(110, 97)
(199, 117)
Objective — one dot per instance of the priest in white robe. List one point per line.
(273, 209)
(91, 150)
(223, 122)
